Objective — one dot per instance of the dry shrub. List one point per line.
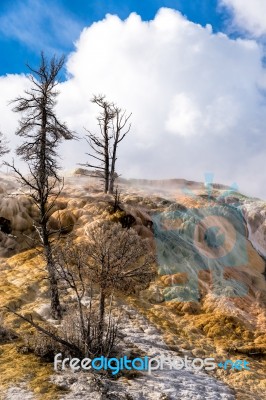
(6, 334)
(69, 331)
(42, 346)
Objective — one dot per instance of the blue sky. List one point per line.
(28, 26)
(197, 94)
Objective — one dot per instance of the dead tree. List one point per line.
(113, 124)
(120, 128)
(111, 259)
(42, 132)
(100, 143)
(72, 264)
(118, 259)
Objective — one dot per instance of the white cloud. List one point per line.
(10, 87)
(184, 116)
(249, 15)
(194, 96)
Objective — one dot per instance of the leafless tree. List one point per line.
(72, 265)
(111, 259)
(113, 127)
(42, 132)
(100, 143)
(118, 259)
(3, 145)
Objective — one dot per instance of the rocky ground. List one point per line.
(138, 335)
(217, 325)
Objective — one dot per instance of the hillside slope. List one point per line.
(207, 302)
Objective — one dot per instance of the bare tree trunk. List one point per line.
(56, 310)
(43, 179)
(101, 315)
(106, 170)
(84, 334)
(112, 172)
(120, 130)
(55, 301)
(106, 148)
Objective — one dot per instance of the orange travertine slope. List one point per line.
(215, 324)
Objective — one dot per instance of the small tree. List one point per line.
(71, 263)
(113, 127)
(118, 259)
(42, 132)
